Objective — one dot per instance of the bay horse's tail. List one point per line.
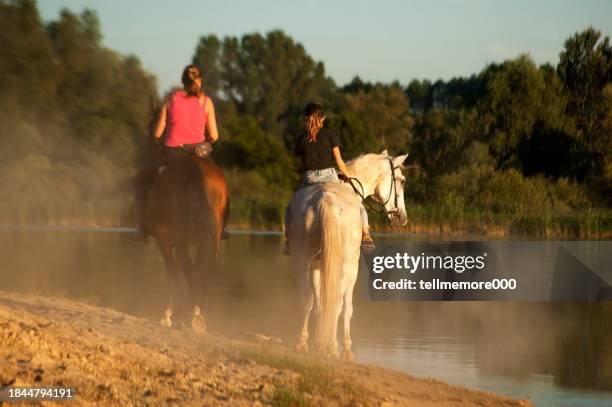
(331, 269)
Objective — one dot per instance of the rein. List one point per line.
(361, 193)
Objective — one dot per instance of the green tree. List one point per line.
(71, 114)
(270, 77)
(585, 69)
(380, 115)
(441, 138)
(208, 57)
(419, 95)
(28, 69)
(247, 146)
(517, 97)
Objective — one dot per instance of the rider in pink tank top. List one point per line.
(186, 119)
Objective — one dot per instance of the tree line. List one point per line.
(517, 147)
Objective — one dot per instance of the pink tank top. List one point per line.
(186, 120)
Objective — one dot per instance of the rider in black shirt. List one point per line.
(318, 155)
(319, 151)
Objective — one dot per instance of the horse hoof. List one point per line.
(198, 325)
(166, 321)
(330, 353)
(197, 322)
(302, 347)
(348, 356)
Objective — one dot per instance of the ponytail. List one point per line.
(190, 74)
(313, 115)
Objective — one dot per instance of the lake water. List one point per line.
(554, 354)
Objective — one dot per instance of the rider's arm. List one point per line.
(211, 122)
(161, 122)
(340, 162)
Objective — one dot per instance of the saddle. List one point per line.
(200, 150)
(169, 155)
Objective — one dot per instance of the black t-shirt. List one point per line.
(317, 155)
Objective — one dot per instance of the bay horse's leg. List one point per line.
(172, 274)
(192, 277)
(212, 216)
(301, 268)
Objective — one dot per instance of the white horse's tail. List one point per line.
(331, 268)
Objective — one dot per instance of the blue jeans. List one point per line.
(320, 176)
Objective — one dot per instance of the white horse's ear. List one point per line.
(384, 153)
(400, 160)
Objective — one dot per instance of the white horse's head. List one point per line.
(382, 178)
(390, 188)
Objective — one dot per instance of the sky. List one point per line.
(381, 40)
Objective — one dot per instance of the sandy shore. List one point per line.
(111, 358)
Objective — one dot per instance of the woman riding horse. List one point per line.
(319, 153)
(186, 124)
(187, 206)
(187, 118)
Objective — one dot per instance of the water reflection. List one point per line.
(554, 353)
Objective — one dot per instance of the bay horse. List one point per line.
(325, 235)
(188, 207)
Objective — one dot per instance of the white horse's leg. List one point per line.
(347, 354)
(315, 286)
(307, 301)
(301, 269)
(334, 344)
(350, 270)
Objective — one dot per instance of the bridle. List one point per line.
(392, 192)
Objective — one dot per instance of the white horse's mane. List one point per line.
(359, 157)
(362, 159)
(361, 167)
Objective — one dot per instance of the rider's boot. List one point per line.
(367, 244)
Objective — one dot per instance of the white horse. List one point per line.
(325, 237)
